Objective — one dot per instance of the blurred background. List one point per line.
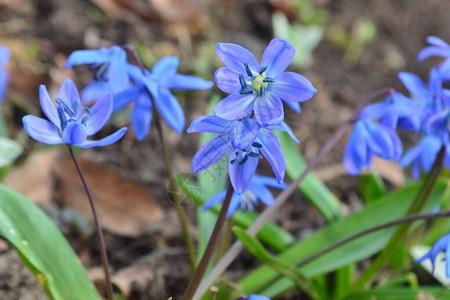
(347, 49)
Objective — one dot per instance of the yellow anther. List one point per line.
(258, 83)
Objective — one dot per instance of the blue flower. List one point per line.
(257, 297)
(442, 245)
(70, 122)
(257, 190)
(158, 82)
(422, 156)
(4, 78)
(246, 140)
(438, 48)
(259, 88)
(108, 67)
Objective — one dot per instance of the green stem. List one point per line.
(418, 203)
(212, 243)
(101, 241)
(172, 183)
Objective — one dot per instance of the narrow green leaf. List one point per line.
(9, 151)
(391, 207)
(371, 187)
(42, 248)
(314, 190)
(343, 279)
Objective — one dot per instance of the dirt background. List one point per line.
(147, 255)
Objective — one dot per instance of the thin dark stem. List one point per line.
(408, 219)
(282, 198)
(109, 288)
(165, 153)
(212, 243)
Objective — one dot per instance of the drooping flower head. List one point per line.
(246, 140)
(257, 190)
(158, 83)
(109, 70)
(259, 88)
(442, 245)
(70, 122)
(4, 78)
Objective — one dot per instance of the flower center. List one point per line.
(259, 83)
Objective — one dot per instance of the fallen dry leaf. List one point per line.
(124, 207)
(33, 179)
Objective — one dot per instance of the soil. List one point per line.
(60, 27)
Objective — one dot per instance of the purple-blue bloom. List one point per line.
(158, 83)
(70, 122)
(259, 88)
(246, 139)
(4, 78)
(442, 245)
(438, 48)
(257, 297)
(108, 67)
(257, 190)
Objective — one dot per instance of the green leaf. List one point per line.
(389, 208)
(314, 190)
(371, 187)
(399, 293)
(42, 248)
(272, 235)
(9, 151)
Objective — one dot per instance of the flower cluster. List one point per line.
(426, 112)
(128, 83)
(4, 78)
(245, 119)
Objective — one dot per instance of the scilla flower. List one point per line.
(246, 140)
(70, 122)
(158, 83)
(259, 88)
(108, 67)
(4, 78)
(442, 245)
(257, 190)
(438, 48)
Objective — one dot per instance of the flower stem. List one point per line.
(172, 183)
(282, 198)
(212, 243)
(109, 288)
(418, 203)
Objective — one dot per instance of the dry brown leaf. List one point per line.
(124, 206)
(33, 179)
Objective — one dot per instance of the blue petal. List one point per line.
(141, 117)
(271, 149)
(444, 70)
(127, 96)
(447, 259)
(166, 66)
(95, 90)
(136, 74)
(235, 107)
(356, 151)
(284, 127)
(235, 203)
(268, 181)
(211, 124)
(117, 73)
(99, 115)
(411, 155)
(383, 141)
(210, 153)
(235, 56)
(219, 197)
(68, 93)
(84, 57)
(4, 79)
(4, 55)
(74, 134)
(294, 106)
(170, 109)
(436, 41)
(415, 85)
(257, 297)
(187, 82)
(429, 152)
(269, 109)
(41, 130)
(48, 107)
(241, 175)
(432, 51)
(277, 56)
(264, 195)
(110, 139)
(227, 80)
(293, 87)
(243, 133)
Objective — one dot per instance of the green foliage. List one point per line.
(371, 187)
(390, 207)
(399, 293)
(313, 189)
(42, 248)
